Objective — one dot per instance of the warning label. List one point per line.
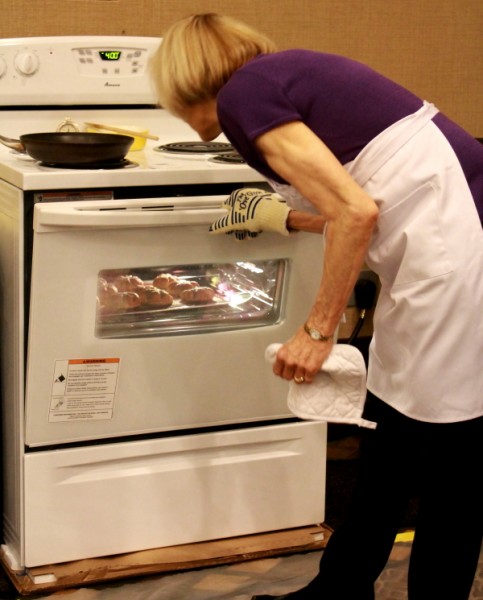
(83, 389)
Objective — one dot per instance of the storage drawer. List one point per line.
(131, 496)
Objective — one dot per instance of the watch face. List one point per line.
(316, 335)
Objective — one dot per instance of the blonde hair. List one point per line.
(199, 54)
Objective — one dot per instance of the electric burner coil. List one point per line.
(195, 147)
(124, 163)
(228, 157)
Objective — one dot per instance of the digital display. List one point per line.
(110, 54)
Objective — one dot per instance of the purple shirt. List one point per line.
(345, 103)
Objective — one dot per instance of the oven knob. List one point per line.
(3, 67)
(27, 63)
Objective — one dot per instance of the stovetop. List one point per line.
(150, 166)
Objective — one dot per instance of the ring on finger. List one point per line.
(299, 379)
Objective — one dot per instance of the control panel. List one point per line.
(99, 61)
(76, 70)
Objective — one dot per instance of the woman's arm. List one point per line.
(301, 221)
(300, 157)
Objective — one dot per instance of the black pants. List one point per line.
(440, 464)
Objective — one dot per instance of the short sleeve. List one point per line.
(249, 105)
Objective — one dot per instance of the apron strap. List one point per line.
(378, 151)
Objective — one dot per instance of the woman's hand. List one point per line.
(301, 357)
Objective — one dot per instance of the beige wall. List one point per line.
(435, 48)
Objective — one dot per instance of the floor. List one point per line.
(276, 575)
(241, 581)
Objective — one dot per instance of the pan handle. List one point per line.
(13, 144)
(151, 212)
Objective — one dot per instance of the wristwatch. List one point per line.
(316, 335)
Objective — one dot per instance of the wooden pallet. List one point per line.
(49, 578)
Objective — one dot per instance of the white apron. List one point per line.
(426, 356)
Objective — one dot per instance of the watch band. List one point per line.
(316, 335)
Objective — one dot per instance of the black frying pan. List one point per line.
(72, 148)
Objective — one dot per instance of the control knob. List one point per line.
(26, 63)
(3, 67)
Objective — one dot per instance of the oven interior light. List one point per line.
(240, 298)
(250, 267)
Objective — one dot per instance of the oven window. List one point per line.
(189, 299)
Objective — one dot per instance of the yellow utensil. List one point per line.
(123, 131)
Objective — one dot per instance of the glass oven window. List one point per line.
(189, 299)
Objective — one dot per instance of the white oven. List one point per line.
(133, 342)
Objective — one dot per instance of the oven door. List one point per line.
(98, 368)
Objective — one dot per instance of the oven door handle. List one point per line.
(120, 214)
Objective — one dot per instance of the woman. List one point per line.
(391, 181)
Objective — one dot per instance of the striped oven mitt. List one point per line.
(251, 211)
